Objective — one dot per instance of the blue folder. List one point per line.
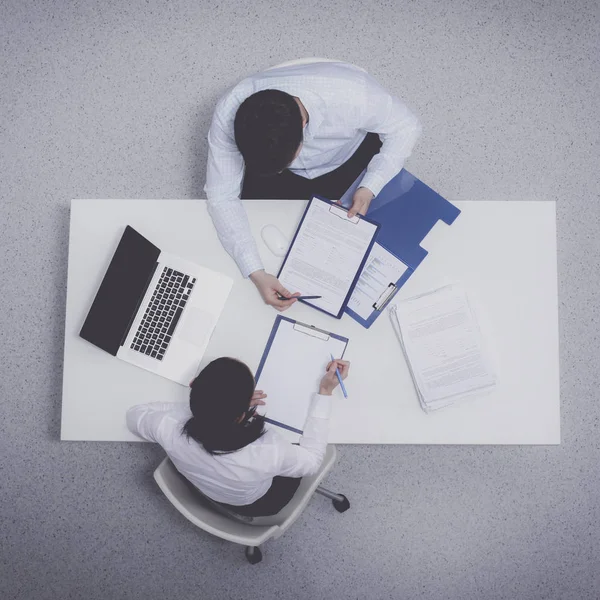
(407, 210)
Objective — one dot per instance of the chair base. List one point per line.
(340, 503)
(253, 554)
(331, 495)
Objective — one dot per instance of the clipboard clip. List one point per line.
(312, 331)
(342, 213)
(385, 297)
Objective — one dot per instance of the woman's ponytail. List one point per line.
(219, 397)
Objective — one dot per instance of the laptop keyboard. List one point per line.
(162, 314)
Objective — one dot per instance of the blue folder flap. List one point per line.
(407, 210)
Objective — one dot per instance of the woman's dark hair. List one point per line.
(220, 395)
(268, 131)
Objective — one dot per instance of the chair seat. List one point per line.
(249, 532)
(306, 489)
(307, 61)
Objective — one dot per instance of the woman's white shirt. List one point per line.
(242, 477)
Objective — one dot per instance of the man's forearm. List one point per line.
(231, 222)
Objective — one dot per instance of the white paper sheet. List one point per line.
(381, 269)
(292, 371)
(443, 346)
(326, 255)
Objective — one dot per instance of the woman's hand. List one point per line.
(330, 380)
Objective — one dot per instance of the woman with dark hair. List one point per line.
(223, 448)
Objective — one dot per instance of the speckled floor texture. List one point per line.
(114, 99)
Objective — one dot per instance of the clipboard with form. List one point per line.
(327, 255)
(292, 365)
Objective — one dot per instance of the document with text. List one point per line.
(443, 345)
(327, 254)
(381, 270)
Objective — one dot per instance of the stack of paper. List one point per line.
(443, 346)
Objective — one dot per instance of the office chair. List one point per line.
(307, 61)
(251, 532)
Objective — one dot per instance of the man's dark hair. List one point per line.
(220, 395)
(268, 131)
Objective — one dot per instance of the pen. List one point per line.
(337, 372)
(281, 297)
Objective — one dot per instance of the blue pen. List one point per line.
(337, 372)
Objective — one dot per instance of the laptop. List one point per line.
(155, 310)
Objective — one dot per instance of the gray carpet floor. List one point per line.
(107, 99)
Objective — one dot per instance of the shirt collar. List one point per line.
(315, 108)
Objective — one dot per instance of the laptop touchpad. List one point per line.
(196, 326)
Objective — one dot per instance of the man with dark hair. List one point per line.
(268, 132)
(294, 132)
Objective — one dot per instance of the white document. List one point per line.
(381, 269)
(291, 373)
(443, 346)
(326, 255)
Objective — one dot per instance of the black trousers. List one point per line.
(278, 495)
(332, 185)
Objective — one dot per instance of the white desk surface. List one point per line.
(503, 253)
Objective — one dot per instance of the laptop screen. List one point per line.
(121, 292)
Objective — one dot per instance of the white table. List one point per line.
(503, 253)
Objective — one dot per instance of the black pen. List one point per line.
(281, 297)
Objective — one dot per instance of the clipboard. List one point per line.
(333, 208)
(408, 210)
(300, 354)
(385, 297)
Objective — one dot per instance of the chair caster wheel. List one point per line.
(341, 505)
(253, 554)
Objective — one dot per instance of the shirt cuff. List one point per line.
(249, 264)
(373, 182)
(320, 407)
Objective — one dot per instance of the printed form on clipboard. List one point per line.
(291, 367)
(380, 279)
(327, 254)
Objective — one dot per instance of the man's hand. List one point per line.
(330, 380)
(257, 398)
(269, 288)
(360, 202)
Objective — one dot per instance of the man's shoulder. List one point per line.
(311, 76)
(292, 78)
(230, 101)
